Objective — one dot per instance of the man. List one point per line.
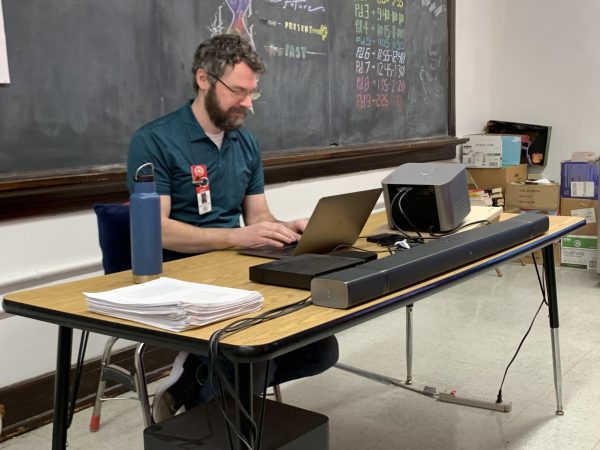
(208, 173)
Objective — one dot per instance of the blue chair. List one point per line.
(114, 239)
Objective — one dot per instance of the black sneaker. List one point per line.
(164, 405)
(180, 388)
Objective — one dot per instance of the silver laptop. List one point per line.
(335, 223)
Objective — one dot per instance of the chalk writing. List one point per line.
(380, 58)
(298, 5)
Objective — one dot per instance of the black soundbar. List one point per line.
(368, 281)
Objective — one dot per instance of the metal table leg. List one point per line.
(409, 343)
(548, 254)
(61, 388)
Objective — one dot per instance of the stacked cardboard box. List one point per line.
(493, 182)
(581, 207)
(506, 177)
(491, 151)
(533, 196)
(579, 197)
(579, 251)
(497, 178)
(579, 179)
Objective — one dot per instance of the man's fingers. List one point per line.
(280, 232)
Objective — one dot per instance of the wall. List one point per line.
(473, 65)
(514, 61)
(545, 70)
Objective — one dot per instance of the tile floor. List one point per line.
(463, 340)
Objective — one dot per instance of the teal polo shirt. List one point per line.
(176, 142)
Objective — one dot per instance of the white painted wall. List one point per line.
(545, 70)
(473, 65)
(515, 60)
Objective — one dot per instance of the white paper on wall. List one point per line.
(4, 78)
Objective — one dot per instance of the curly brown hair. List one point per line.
(218, 53)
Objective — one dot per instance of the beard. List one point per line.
(223, 120)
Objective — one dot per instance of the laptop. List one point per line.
(336, 222)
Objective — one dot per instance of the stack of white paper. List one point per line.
(174, 304)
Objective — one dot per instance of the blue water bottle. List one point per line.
(146, 242)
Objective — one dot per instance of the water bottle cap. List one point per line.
(144, 177)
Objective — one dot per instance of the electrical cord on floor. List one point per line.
(544, 301)
(219, 382)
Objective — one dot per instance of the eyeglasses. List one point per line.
(239, 92)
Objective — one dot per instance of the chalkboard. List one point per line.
(86, 74)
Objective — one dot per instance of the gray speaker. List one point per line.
(430, 197)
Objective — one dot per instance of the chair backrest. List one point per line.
(114, 237)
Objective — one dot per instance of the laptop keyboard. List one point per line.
(287, 250)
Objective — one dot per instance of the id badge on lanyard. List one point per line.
(200, 180)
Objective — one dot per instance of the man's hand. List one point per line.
(298, 225)
(266, 233)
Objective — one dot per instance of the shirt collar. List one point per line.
(195, 131)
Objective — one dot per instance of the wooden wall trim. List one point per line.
(50, 192)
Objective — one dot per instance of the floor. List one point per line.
(463, 340)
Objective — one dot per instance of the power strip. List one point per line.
(476, 403)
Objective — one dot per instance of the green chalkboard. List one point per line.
(86, 74)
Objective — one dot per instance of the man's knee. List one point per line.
(312, 359)
(326, 352)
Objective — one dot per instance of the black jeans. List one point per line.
(312, 359)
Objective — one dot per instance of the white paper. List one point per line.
(586, 213)
(174, 304)
(582, 189)
(4, 77)
(540, 181)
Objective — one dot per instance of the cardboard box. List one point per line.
(579, 179)
(579, 252)
(533, 196)
(482, 151)
(581, 207)
(491, 151)
(500, 177)
(511, 149)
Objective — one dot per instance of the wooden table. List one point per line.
(64, 305)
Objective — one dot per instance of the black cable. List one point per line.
(222, 392)
(216, 374)
(263, 405)
(541, 280)
(393, 202)
(223, 385)
(460, 227)
(544, 301)
(349, 247)
(78, 371)
(406, 191)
